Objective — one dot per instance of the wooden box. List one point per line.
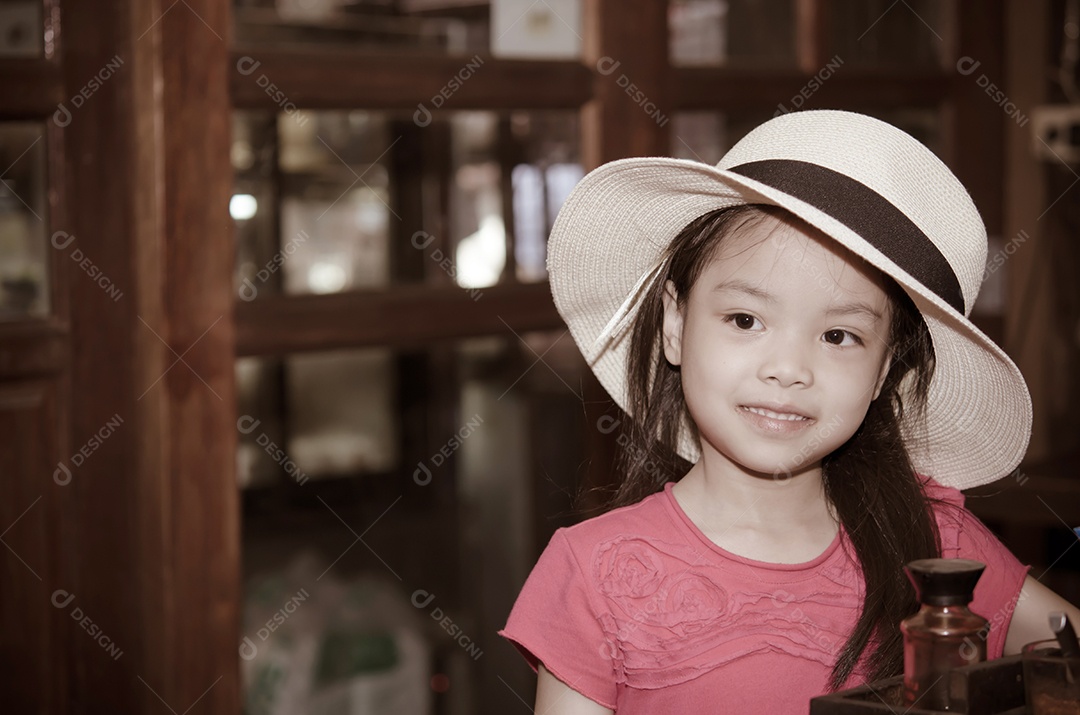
(992, 688)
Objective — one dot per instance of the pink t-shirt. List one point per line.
(639, 611)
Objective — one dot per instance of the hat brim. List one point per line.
(978, 417)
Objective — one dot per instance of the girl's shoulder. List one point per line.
(947, 505)
(648, 516)
(963, 535)
(939, 494)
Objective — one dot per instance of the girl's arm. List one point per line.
(1029, 622)
(554, 697)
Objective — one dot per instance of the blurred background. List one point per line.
(287, 412)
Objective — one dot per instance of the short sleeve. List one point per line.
(556, 621)
(964, 536)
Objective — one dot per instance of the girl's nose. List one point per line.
(788, 365)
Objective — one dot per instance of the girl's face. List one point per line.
(782, 345)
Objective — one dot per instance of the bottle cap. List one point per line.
(944, 582)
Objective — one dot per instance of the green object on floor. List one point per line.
(346, 654)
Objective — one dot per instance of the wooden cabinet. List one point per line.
(127, 535)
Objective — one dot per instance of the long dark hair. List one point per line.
(869, 480)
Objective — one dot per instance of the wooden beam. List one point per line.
(408, 316)
(723, 89)
(269, 78)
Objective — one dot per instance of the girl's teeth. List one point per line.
(775, 415)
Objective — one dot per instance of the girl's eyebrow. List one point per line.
(854, 309)
(737, 285)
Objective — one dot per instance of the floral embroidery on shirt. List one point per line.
(669, 619)
(628, 567)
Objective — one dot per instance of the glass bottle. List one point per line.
(944, 634)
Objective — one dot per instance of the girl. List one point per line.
(788, 332)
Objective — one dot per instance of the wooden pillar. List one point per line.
(153, 513)
(974, 136)
(630, 115)
(1032, 332)
(811, 36)
(631, 110)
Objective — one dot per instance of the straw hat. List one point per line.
(866, 184)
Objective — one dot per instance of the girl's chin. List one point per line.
(779, 468)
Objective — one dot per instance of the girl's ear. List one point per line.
(885, 365)
(673, 325)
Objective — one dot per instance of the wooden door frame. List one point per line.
(151, 522)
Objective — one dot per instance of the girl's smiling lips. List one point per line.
(776, 417)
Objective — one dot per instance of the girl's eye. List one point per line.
(742, 321)
(842, 338)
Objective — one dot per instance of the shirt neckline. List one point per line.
(680, 516)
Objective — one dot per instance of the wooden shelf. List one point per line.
(405, 316)
(332, 79)
(33, 88)
(32, 347)
(732, 89)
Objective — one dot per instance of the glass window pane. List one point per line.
(341, 416)
(21, 28)
(24, 255)
(492, 442)
(923, 124)
(706, 136)
(351, 200)
(316, 416)
(732, 32)
(502, 28)
(884, 33)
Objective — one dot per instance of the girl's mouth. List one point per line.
(774, 421)
(787, 416)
